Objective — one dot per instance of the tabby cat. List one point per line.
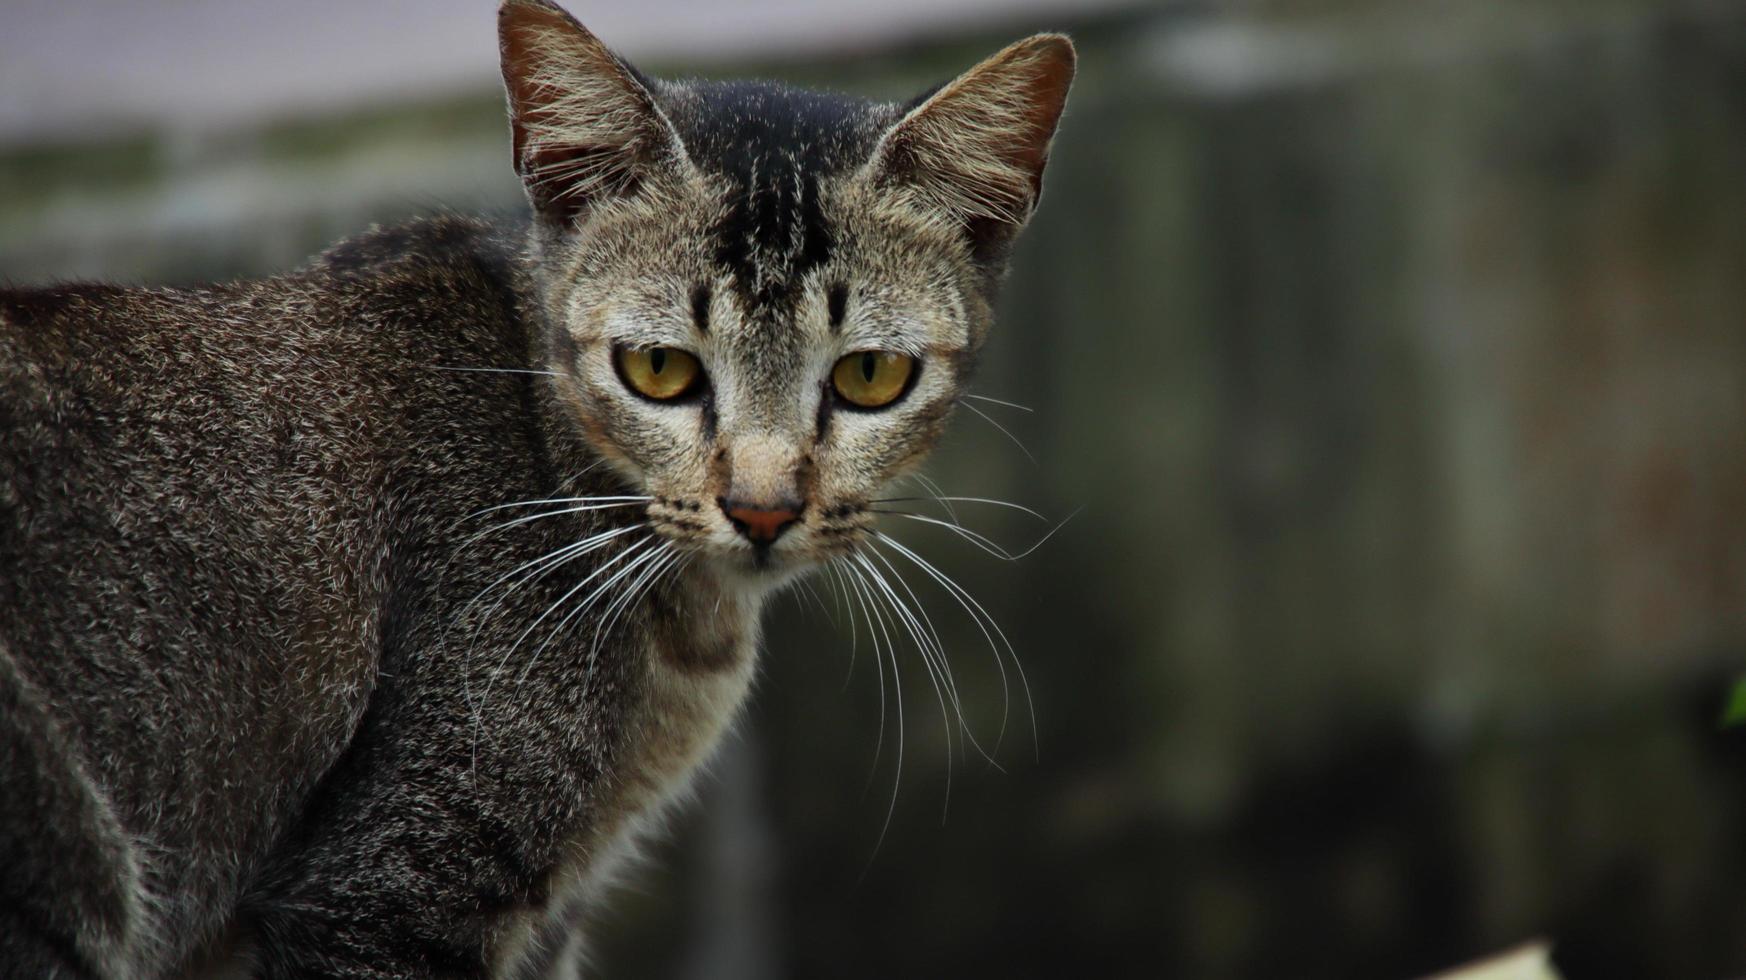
(353, 622)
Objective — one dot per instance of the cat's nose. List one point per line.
(761, 523)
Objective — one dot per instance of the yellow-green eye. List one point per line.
(660, 373)
(872, 378)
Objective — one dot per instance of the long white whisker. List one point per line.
(897, 692)
(1001, 402)
(833, 577)
(476, 538)
(945, 663)
(937, 492)
(558, 557)
(907, 620)
(551, 561)
(648, 550)
(927, 642)
(977, 538)
(926, 645)
(556, 630)
(990, 420)
(977, 614)
(983, 541)
(485, 699)
(620, 501)
(852, 583)
(966, 500)
(802, 586)
(663, 556)
(492, 370)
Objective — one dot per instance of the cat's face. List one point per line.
(764, 303)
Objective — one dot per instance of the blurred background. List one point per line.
(1391, 356)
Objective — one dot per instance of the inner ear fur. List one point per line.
(583, 124)
(976, 148)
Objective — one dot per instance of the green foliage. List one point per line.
(1734, 713)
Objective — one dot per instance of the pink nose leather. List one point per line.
(761, 525)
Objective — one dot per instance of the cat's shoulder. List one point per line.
(459, 250)
(410, 268)
(44, 306)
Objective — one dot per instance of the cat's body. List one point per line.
(281, 674)
(272, 576)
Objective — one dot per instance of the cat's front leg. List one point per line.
(70, 901)
(412, 862)
(399, 903)
(379, 923)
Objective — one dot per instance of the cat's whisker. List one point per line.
(530, 518)
(968, 500)
(837, 597)
(1003, 430)
(944, 662)
(576, 477)
(1005, 687)
(927, 641)
(605, 502)
(905, 618)
(649, 560)
(983, 541)
(504, 662)
(493, 370)
(933, 489)
(673, 566)
(648, 549)
(803, 587)
(870, 608)
(876, 629)
(979, 616)
(556, 557)
(551, 560)
(581, 547)
(853, 591)
(665, 556)
(589, 544)
(472, 540)
(585, 505)
(908, 621)
(651, 554)
(1001, 402)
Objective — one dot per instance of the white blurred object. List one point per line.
(1529, 961)
(67, 68)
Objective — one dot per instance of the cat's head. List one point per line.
(763, 303)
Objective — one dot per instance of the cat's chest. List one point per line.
(694, 669)
(692, 687)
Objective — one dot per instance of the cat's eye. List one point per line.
(661, 373)
(872, 378)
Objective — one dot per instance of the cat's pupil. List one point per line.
(658, 360)
(868, 364)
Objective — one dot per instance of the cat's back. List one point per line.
(201, 491)
(240, 431)
(232, 379)
(430, 284)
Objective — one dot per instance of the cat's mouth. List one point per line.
(760, 545)
(762, 569)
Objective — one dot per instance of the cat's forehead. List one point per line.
(770, 147)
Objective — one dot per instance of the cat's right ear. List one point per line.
(975, 148)
(583, 124)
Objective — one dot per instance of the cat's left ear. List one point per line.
(584, 125)
(976, 148)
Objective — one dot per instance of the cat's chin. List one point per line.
(759, 571)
